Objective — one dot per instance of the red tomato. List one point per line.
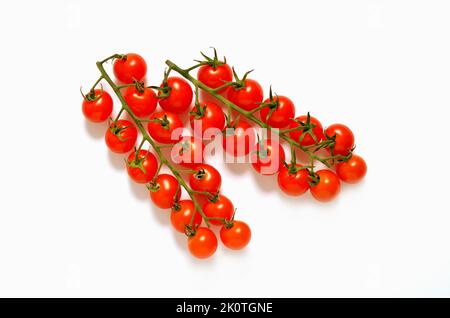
(328, 187)
(293, 183)
(167, 190)
(270, 158)
(214, 77)
(182, 215)
(222, 208)
(143, 168)
(188, 151)
(247, 97)
(344, 138)
(282, 114)
(165, 123)
(206, 179)
(235, 236)
(238, 141)
(130, 68)
(142, 104)
(208, 116)
(203, 243)
(99, 108)
(307, 140)
(353, 170)
(180, 95)
(121, 137)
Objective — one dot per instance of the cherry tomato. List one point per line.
(270, 158)
(206, 179)
(181, 215)
(208, 116)
(222, 208)
(180, 95)
(307, 140)
(344, 138)
(247, 97)
(130, 68)
(353, 170)
(282, 114)
(164, 124)
(121, 137)
(327, 188)
(203, 243)
(215, 77)
(100, 108)
(188, 152)
(166, 188)
(293, 183)
(142, 104)
(144, 168)
(237, 236)
(239, 139)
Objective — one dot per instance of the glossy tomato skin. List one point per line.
(100, 109)
(213, 117)
(328, 187)
(148, 163)
(240, 140)
(161, 133)
(352, 171)
(215, 77)
(236, 237)
(344, 138)
(129, 69)
(123, 141)
(293, 184)
(272, 163)
(308, 140)
(167, 187)
(142, 104)
(180, 95)
(203, 244)
(209, 180)
(182, 216)
(222, 208)
(282, 115)
(248, 97)
(188, 152)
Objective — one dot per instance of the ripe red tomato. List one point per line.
(206, 179)
(188, 152)
(142, 104)
(214, 77)
(222, 208)
(121, 137)
(238, 141)
(344, 138)
(167, 190)
(247, 97)
(353, 170)
(180, 95)
(98, 109)
(282, 115)
(209, 116)
(164, 124)
(291, 183)
(130, 68)
(327, 188)
(203, 243)
(270, 158)
(307, 140)
(237, 236)
(142, 169)
(181, 215)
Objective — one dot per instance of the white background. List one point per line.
(72, 224)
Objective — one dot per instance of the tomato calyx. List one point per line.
(153, 186)
(115, 130)
(239, 83)
(307, 128)
(164, 122)
(228, 224)
(92, 96)
(189, 230)
(200, 110)
(200, 174)
(261, 151)
(314, 178)
(214, 62)
(272, 104)
(137, 162)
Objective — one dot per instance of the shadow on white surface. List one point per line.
(139, 191)
(95, 130)
(162, 216)
(116, 160)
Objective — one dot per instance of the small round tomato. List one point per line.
(162, 125)
(205, 179)
(182, 213)
(327, 188)
(97, 106)
(281, 115)
(165, 191)
(180, 95)
(268, 158)
(344, 138)
(314, 126)
(247, 97)
(293, 182)
(142, 103)
(239, 138)
(203, 243)
(236, 235)
(121, 136)
(188, 152)
(130, 68)
(221, 208)
(143, 168)
(207, 116)
(353, 170)
(215, 77)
